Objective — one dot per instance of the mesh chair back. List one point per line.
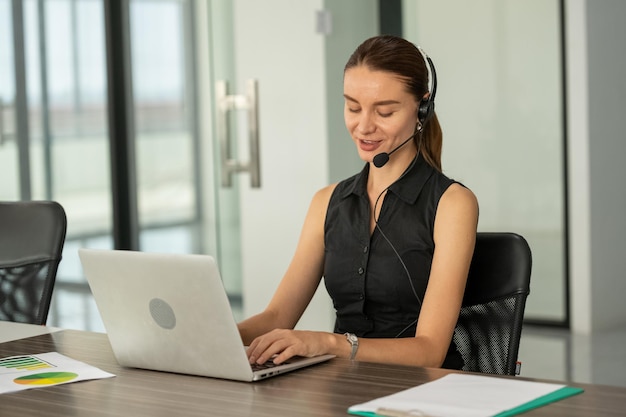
(490, 323)
(32, 235)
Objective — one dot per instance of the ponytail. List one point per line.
(430, 142)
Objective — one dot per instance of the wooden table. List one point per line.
(327, 389)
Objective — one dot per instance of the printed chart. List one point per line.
(46, 369)
(46, 378)
(22, 363)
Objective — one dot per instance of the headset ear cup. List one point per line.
(426, 109)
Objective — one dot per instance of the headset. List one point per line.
(425, 111)
(426, 108)
(395, 251)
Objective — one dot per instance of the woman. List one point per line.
(393, 243)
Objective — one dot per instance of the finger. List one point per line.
(284, 356)
(261, 349)
(271, 351)
(256, 348)
(251, 347)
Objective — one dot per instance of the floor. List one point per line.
(557, 354)
(545, 352)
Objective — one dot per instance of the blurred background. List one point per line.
(129, 113)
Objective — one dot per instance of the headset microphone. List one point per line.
(381, 159)
(424, 113)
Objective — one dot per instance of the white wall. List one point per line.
(276, 43)
(578, 163)
(303, 138)
(607, 138)
(353, 22)
(597, 105)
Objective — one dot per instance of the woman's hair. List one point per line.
(398, 56)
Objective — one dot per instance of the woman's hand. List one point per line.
(288, 343)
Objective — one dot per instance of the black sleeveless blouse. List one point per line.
(377, 282)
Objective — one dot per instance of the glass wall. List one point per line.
(63, 150)
(9, 177)
(55, 142)
(165, 125)
(500, 102)
(499, 99)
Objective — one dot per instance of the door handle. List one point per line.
(2, 137)
(226, 103)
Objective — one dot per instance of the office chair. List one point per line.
(32, 235)
(490, 323)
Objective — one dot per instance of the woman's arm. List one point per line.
(301, 279)
(455, 234)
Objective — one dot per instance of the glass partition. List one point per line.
(500, 103)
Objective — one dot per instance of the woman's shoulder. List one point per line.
(322, 196)
(454, 192)
(320, 200)
(460, 197)
(339, 188)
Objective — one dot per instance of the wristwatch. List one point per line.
(354, 342)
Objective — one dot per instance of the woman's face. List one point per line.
(379, 113)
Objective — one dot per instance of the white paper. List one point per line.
(23, 372)
(461, 395)
(13, 331)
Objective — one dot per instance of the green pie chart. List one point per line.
(45, 378)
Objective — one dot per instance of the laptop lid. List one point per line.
(170, 312)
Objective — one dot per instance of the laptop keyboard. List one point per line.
(267, 365)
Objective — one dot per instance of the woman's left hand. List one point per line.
(285, 344)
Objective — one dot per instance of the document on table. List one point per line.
(43, 370)
(463, 395)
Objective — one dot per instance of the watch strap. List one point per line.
(354, 343)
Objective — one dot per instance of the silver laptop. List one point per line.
(170, 312)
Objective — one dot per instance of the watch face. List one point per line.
(352, 338)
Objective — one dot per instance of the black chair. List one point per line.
(490, 323)
(32, 235)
